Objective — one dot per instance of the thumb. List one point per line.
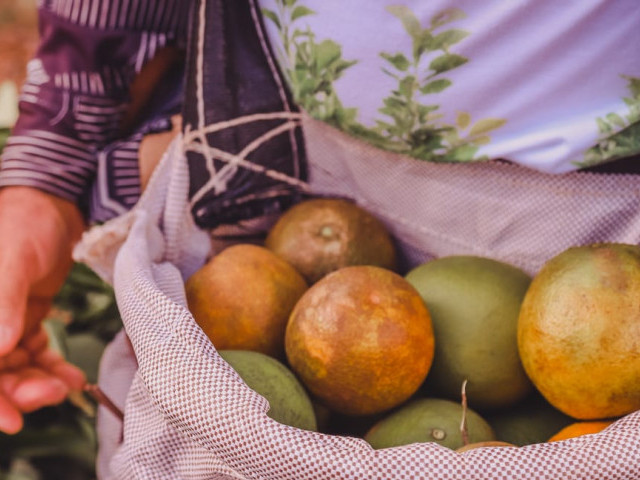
(14, 292)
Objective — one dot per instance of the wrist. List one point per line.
(36, 204)
(38, 229)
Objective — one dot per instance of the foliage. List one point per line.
(91, 302)
(312, 65)
(411, 124)
(60, 441)
(414, 125)
(619, 136)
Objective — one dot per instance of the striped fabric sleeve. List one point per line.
(77, 89)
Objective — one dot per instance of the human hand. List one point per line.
(33, 376)
(37, 234)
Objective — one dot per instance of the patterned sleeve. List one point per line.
(77, 92)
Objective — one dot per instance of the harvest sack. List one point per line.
(189, 415)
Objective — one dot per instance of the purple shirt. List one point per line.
(68, 139)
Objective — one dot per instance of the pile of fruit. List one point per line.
(461, 350)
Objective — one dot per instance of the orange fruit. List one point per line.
(474, 304)
(429, 420)
(580, 428)
(579, 331)
(242, 299)
(321, 235)
(530, 421)
(361, 340)
(289, 403)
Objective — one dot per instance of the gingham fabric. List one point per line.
(189, 416)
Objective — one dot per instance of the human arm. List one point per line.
(38, 232)
(72, 109)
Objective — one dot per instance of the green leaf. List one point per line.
(391, 74)
(20, 469)
(450, 37)
(409, 20)
(603, 126)
(299, 74)
(407, 85)
(300, 11)
(634, 85)
(342, 65)
(383, 125)
(447, 62)
(57, 440)
(347, 116)
(451, 137)
(394, 102)
(424, 112)
(327, 52)
(483, 140)
(463, 120)
(84, 350)
(398, 60)
(447, 16)
(486, 125)
(616, 119)
(57, 333)
(422, 43)
(426, 138)
(436, 86)
(308, 87)
(289, 3)
(463, 153)
(273, 16)
(629, 101)
(634, 114)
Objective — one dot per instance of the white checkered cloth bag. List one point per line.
(188, 415)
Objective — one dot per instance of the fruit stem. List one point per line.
(95, 392)
(326, 231)
(463, 423)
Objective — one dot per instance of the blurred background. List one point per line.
(56, 442)
(18, 41)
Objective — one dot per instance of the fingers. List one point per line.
(27, 391)
(18, 358)
(13, 306)
(10, 417)
(31, 389)
(51, 361)
(54, 363)
(33, 376)
(36, 342)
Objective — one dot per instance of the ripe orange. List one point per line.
(580, 428)
(242, 299)
(579, 331)
(361, 340)
(321, 235)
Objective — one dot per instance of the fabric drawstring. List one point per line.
(196, 140)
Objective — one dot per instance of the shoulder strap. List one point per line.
(241, 127)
